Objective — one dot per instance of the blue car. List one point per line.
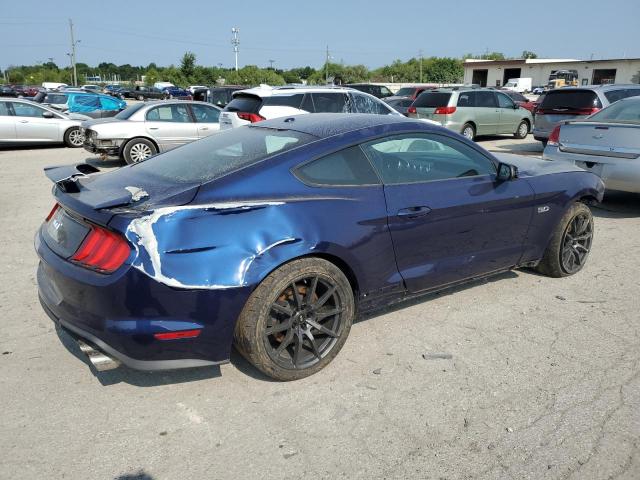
(93, 105)
(274, 236)
(177, 93)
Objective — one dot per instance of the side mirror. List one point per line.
(506, 172)
(516, 106)
(47, 115)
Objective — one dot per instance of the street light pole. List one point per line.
(73, 53)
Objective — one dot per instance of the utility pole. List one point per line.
(73, 53)
(326, 67)
(271, 62)
(235, 41)
(420, 65)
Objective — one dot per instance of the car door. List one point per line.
(7, 124)
(486, 113)
(31, 126)
(450, 219)
(207, 119)
(171, 125)
(510, 116)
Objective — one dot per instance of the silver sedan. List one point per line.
(144, 129)
(607, 143)
(23, 122)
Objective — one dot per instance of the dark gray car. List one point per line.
(573, 103)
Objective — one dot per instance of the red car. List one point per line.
(30, 91)
(521, 100)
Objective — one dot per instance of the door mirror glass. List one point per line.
(506, 172)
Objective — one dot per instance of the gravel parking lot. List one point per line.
(518, 377)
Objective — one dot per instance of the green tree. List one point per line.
(187, 64)
(152, 76)
(529, 54)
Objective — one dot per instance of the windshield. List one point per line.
(622, 111)
(127, 112)
(222, 153)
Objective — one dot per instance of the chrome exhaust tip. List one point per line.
(101, 361)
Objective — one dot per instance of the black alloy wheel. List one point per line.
(304, 322)
(576, 243)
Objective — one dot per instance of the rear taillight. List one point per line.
(177, 335)
(412, 110)
(102, 250)
(250, 117)
(554, 138)
(52, 212)
(445, 110)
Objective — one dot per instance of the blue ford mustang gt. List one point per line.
(274, 236)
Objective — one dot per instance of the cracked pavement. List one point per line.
(523, 377)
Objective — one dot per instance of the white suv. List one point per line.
(265, 102)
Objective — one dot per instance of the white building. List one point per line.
(489, 73)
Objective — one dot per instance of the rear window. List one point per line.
(432, 100)
(244, 103)
(571, 99)
(293, 101)
(220, 154)
(127, 112)
(624, 111)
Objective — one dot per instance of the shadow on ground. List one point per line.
(618, 205)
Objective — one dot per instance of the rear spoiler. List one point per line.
(65, 176)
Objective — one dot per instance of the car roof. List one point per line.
(330, 124)
(607, 87)
(268, 91)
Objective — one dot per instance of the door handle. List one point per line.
(24, 121)
(204, 128)
(154, 128)
(413, 212)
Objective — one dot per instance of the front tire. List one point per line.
(522, 131)
(570, 243)
(138, 150)
(140, 98)
(73, 138)
(297, 320)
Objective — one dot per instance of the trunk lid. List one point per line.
(619, 140)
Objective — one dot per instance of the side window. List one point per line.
(632, 92)
(205, 114)
(416, 158)
(467, 99)
(346, 167)
(293, 101)
(307, 104)
(366, 104)
(87, 101)
(4, 109)
(486, 99)
(109, 104)
(26, 110)
(504, 101)
(169, 113)
(330, 102)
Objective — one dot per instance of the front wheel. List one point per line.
(138, 150)
(570, 244)
(523, 130)
(297, 320)
(73, 138)
(141, 98)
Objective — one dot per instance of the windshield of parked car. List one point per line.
(405, 92)
(622, 111)
(127, 112)
(222, 153)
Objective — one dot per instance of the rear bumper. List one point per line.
(616, 173)
(121, 312)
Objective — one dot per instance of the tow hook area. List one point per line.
(101, 361)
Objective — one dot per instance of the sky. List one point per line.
(297, 33)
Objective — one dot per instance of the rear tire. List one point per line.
(73, 138)
(297, 320)
(138, 150)
(140, 98)
(522, 131)
(570, 243)
(468, 131)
